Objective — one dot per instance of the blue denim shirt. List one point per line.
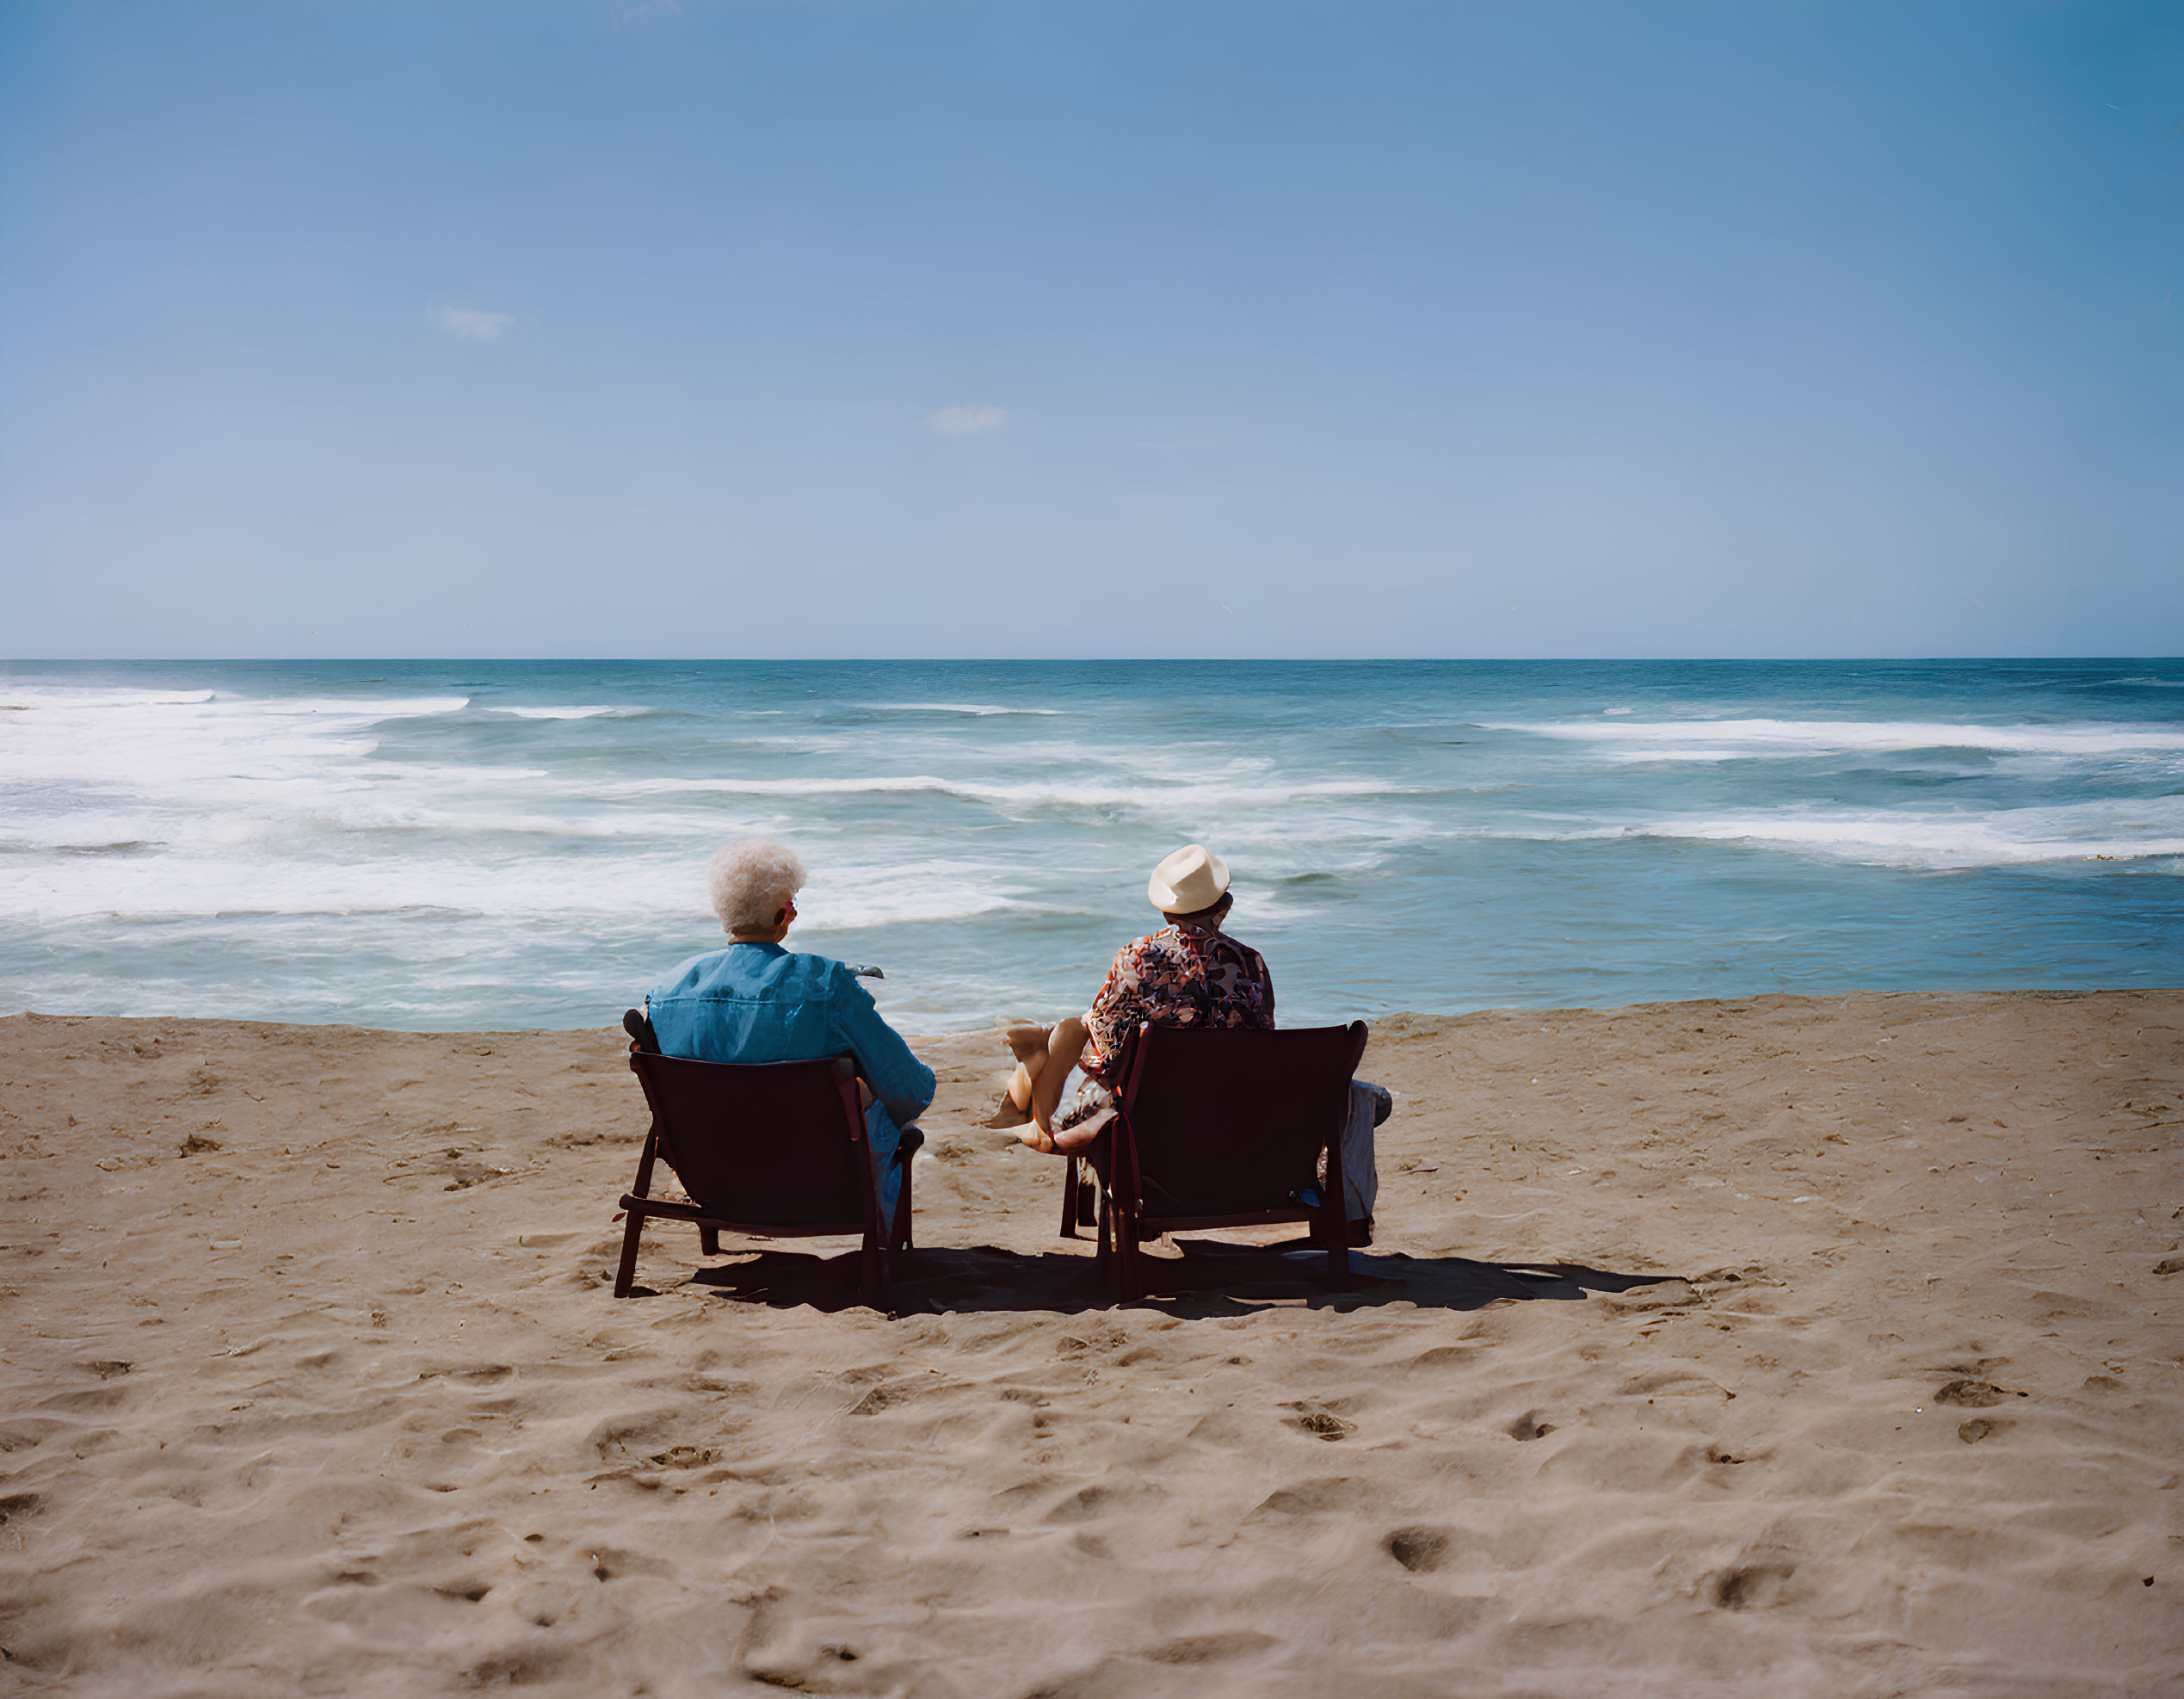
(759, 1003)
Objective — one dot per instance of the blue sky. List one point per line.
(1078, 330)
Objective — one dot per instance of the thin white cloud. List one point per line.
(970, 420)
(470, 321)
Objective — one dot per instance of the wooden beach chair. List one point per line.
(774, 1149)
(1219, 1127)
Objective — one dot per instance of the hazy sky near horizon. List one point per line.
(991, 327)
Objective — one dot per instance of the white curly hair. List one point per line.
(751, 881)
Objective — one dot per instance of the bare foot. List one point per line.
(1043, 1142)
(1028, 1044)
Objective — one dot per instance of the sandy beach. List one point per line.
(1810, 1346)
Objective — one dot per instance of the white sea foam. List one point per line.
(2116, 831)
(1146, 793)
(609, 711)
(979, 709)
(1742, 740)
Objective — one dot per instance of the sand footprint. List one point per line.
(1421, 1550)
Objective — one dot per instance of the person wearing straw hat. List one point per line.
(1191, 974)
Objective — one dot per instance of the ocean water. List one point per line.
(474, 845)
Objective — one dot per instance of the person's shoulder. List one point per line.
(1245, 951)
(822, 973)
(1154, 946)
(695, 971)
(752, 970)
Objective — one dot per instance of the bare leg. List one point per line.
(1065, 1044)
(1029, 1044)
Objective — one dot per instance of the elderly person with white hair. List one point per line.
(755, 1002)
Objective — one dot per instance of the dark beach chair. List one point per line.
(774, 1149)
(1219, 1127)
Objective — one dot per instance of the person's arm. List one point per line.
(897, 1077)
(1117, 1009)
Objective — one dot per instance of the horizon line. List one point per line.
(1071, 661)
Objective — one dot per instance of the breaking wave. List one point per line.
(288, 842)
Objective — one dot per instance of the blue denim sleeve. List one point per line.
(897, 1078)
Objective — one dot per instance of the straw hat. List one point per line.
(1192, 879)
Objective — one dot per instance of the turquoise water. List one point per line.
(464, 845)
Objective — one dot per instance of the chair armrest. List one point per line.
(639, 1028)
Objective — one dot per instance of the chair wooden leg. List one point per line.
(709, 1240)
(898, 1237)
(1126, 1285)
(1338, 1255)
(1334, 1214)
(626, 1276)
(872, 1276)
(1069, 1200)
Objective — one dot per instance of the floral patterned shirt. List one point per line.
(1182, 976)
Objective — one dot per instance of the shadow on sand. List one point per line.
(1209, 1278)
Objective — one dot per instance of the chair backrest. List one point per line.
(775, 1144)
(1228, 1121)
